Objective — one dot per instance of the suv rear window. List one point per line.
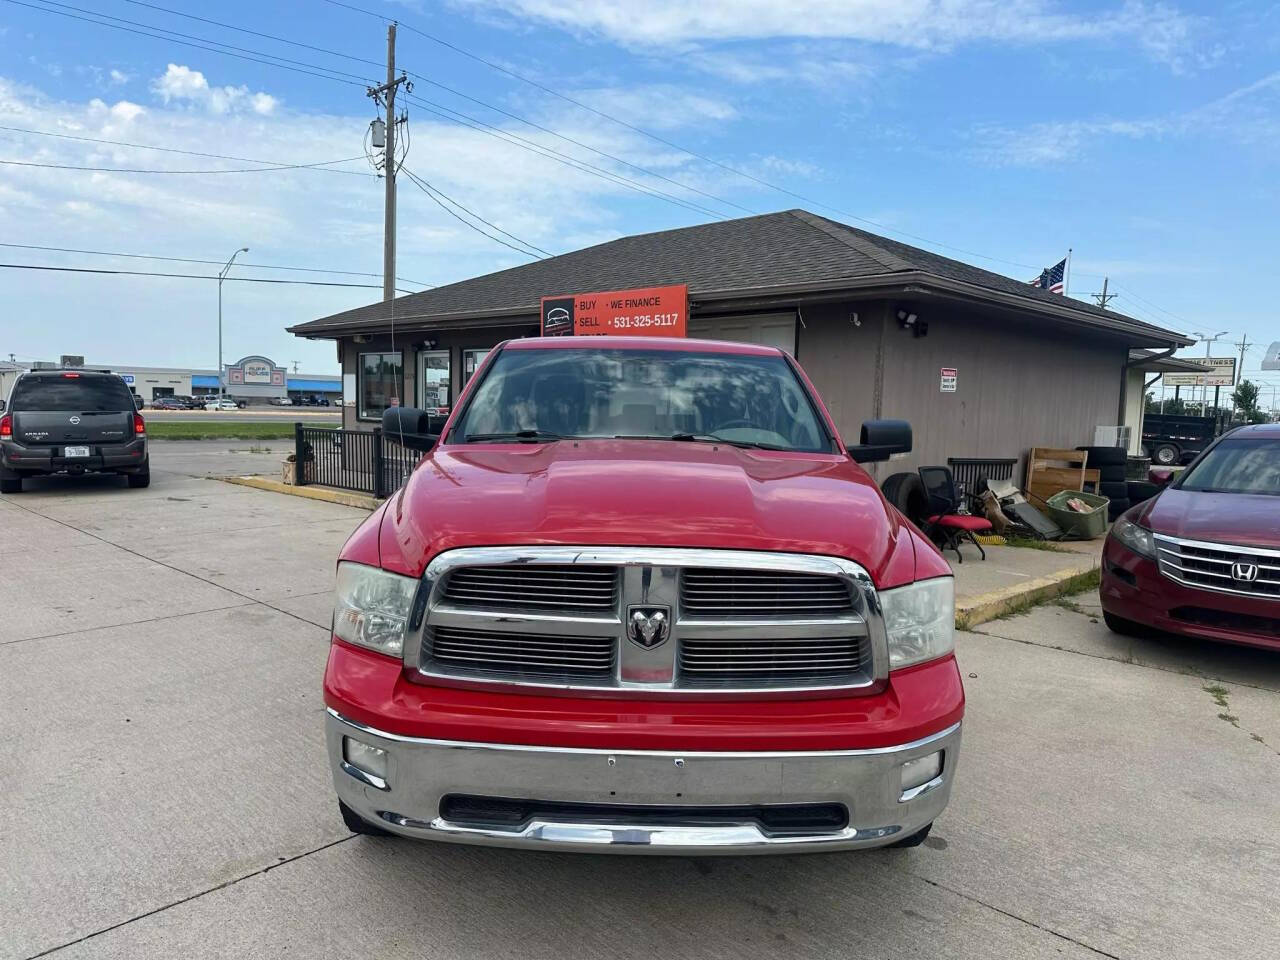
(81, 394)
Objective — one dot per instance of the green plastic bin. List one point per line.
(1079, 526)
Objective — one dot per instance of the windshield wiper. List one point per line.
(520, 436)
(712, 438)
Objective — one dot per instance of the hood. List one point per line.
(1246, 519)
(643, 493)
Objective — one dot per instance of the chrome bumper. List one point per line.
(422, 772)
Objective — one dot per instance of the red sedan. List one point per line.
(1202, 559)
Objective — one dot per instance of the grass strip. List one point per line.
(224, 430)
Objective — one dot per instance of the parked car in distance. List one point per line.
(226, 403)
(280, 402)
(189, 403)
(617, 607)
(1202, 558)
(65, 421)
(168, 403)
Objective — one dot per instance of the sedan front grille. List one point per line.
(808, 661)
(541, 656)
(555, 586)
(713, 592)
(1226, 568)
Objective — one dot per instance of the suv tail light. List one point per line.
(139, 426)
(6, 427)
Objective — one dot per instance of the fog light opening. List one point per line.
(919, 772)
(365, 762)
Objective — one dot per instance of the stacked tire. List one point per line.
(1110, 464)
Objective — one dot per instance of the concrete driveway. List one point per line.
(166, 793)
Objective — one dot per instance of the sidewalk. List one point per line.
(1016, 577)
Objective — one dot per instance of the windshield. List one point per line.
(1243, 465)
(549, 394)
(76, 393)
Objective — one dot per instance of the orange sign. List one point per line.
(646, 312)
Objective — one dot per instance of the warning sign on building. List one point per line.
(948, 382)
(644, 312)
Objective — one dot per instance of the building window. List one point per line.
(434, 383)
(381, 376)
(471, 360)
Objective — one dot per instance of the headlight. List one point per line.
(371, 608)
(920, 620)
(1136, 538)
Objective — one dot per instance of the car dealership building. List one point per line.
(981, 365)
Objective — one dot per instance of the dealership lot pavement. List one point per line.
(166, 795)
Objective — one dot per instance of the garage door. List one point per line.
(769, 329)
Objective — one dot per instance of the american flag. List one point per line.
(1051, 277)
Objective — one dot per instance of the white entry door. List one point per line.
(768, 329)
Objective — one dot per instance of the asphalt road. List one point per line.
(166, 792)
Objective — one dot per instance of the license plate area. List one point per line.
(75, 452)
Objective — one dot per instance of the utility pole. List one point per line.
(1243, 345)
(295, 365)
(222, 275)
(385, 96)
(1104, 298)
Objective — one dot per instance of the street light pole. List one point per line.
(1204, 402)
(222, 275)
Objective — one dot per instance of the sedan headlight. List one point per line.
(372, 607)
(1136, 538)
(920, 620)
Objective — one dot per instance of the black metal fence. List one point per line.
(362, 460)
(967, 471)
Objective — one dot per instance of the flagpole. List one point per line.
(1066, 278)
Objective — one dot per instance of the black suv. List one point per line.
(64, 421)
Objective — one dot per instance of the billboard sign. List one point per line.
(256, 370)
(1272, 360)
(643, 312)
(1221, 373)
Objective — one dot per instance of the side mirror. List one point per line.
(409, 426)
(881, 439)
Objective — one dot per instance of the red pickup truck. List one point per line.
(640, 597)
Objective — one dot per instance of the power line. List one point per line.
(189, 153)
(453, 116)
(471, 213)
(457, 93)
(421, 185)
(143, 256)
(328, 75)
(190, 276)
(68, 166)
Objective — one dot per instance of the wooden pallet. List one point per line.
(1051, 470)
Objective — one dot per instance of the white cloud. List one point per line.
(298, 217)
(118, 77)
(180, 83)
(1247, 115)
(1162, 31)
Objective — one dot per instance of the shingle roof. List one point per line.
(787, 250)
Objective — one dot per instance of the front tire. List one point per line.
(915, 839)
(358, 824)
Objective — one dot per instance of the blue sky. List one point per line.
(1142, 134)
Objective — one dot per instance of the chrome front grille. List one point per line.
(712, 592)
(709, 663)
(555, 586)
(1223, 567)
(538, 656)
(728, 622)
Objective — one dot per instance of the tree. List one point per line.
(1245, 399)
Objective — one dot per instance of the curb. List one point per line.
(344, 497)
(988, 606)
